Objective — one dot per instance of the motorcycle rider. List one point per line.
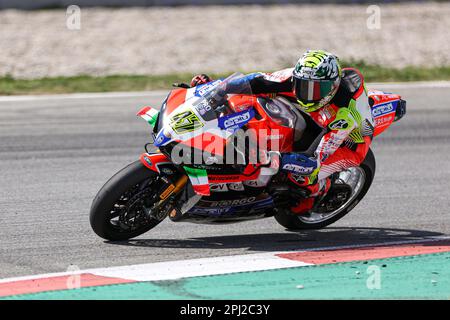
(336, 99)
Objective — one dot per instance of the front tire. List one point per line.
(293, 222)
(116, 198)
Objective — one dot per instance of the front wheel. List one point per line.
(120, 210)
(358, 178)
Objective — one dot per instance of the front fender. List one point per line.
(162, 165)
(158, 162)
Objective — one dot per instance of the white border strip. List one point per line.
(170, 270)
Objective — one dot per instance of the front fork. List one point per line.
(158, 162)
(173, 189)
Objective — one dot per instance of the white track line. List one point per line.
(408, 85)
(112, 95)
(169, 270)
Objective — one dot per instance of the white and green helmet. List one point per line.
(316, 78)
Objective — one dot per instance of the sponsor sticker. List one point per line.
(235, 121)
(279, 76)
(203, 107)
(383, 109)
(211, 160)
(238, 186)
(221, 187)
(230, 203)
(297, 169)
(147, 159)
(209, 211)
(224, 177)
(167, 192)
(167, 171)
(327, 113)
(201, 90)
(383, 120)
(161, 139)
(340, 124)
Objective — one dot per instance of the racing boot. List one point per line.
(315, 193)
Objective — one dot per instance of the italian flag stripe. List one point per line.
(316, 91)
(149, 114)
(199, 180)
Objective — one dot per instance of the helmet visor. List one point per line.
(311, 91)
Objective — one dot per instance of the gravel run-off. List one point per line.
(218, 39)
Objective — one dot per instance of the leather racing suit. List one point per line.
(347, 122)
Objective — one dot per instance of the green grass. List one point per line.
(86, 83)
(377, 73)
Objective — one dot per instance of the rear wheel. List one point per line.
(122, 208)
(359, 179)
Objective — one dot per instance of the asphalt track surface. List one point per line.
(56, 153)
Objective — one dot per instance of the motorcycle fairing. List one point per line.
(210, 136)
(386, 108)
(214, 136)
(279, 136)
(232, 208)
(190, 120)
(192, 125)
(157, 162)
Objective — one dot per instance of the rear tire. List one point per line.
(292, 222)
(108, 196)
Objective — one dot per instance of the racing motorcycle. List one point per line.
(218, 161)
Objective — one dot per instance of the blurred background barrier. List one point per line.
(45, 4)
(174, 40)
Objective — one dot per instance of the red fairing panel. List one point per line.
(270, 134)
(152, 161)
(383, 109)
(175, 99)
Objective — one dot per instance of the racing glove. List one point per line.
(200, 79)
